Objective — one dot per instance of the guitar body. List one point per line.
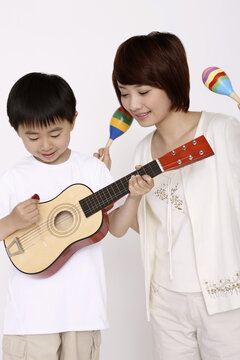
(63, 229)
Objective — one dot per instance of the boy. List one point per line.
(59, 317)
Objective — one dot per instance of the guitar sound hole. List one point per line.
(63, 220)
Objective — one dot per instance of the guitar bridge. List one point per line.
(14, 248)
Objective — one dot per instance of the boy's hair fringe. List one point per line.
(39, 99)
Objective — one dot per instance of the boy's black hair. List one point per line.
(38, 99)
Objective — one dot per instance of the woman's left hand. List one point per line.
(140, 185)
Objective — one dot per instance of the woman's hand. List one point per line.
(104, 155)
(140, 185)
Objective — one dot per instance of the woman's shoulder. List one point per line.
(216, 123)
(143, 146)
(145, 141)
(217, 118)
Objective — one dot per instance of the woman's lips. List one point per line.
(142, 116)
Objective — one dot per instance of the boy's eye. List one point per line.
(55, 136)
(33, 139)
(143, 92)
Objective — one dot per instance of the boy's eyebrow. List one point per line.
(30, 132)
(55, 129)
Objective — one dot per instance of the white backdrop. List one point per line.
(77, 39)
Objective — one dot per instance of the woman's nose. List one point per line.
(134, 103)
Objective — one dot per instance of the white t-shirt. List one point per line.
(175, 262)
(74, 298)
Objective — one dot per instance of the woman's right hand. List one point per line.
(104, 155)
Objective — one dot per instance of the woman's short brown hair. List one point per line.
(157, 59)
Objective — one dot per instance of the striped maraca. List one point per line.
(119, 124)
(217, 81)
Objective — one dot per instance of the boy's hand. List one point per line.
(25, 213)
(140, 185)
(104, 155)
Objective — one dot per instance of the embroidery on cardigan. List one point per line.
(224, 287)
(161, 193)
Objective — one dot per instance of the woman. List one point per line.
(189, 221)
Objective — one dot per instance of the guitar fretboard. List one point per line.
(109, 194)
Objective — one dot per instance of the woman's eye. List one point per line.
(143, 92)
(31, 139)
(124, 95)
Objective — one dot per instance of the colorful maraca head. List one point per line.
(216, 80)
(120, 123)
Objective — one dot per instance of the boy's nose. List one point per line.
(46, 145)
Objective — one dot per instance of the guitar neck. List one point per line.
(186, 154)
(115, 191)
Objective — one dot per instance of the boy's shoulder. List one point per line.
(86, 160)
(13, 169)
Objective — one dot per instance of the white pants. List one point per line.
(183, 330)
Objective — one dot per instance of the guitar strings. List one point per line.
(28, 237)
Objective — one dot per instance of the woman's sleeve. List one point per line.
(233, 145)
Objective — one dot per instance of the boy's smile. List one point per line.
(48, 144)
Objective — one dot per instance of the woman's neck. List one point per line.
(177, 129)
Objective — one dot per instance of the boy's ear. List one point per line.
(74, 119)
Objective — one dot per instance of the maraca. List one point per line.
(217, 81)
(119, 124)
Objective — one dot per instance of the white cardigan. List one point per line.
(212, 194)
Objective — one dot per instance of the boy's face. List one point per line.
(48, 144)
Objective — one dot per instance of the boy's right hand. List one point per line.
(25, 213)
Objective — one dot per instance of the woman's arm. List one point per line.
(121, 219)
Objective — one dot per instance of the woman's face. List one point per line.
(147, 104)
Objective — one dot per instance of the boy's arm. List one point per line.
(23, 215)
(121, 219)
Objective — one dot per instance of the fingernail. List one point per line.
(36, 196)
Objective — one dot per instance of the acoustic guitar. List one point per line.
(77, 217)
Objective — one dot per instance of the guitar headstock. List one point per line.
(186, 154)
